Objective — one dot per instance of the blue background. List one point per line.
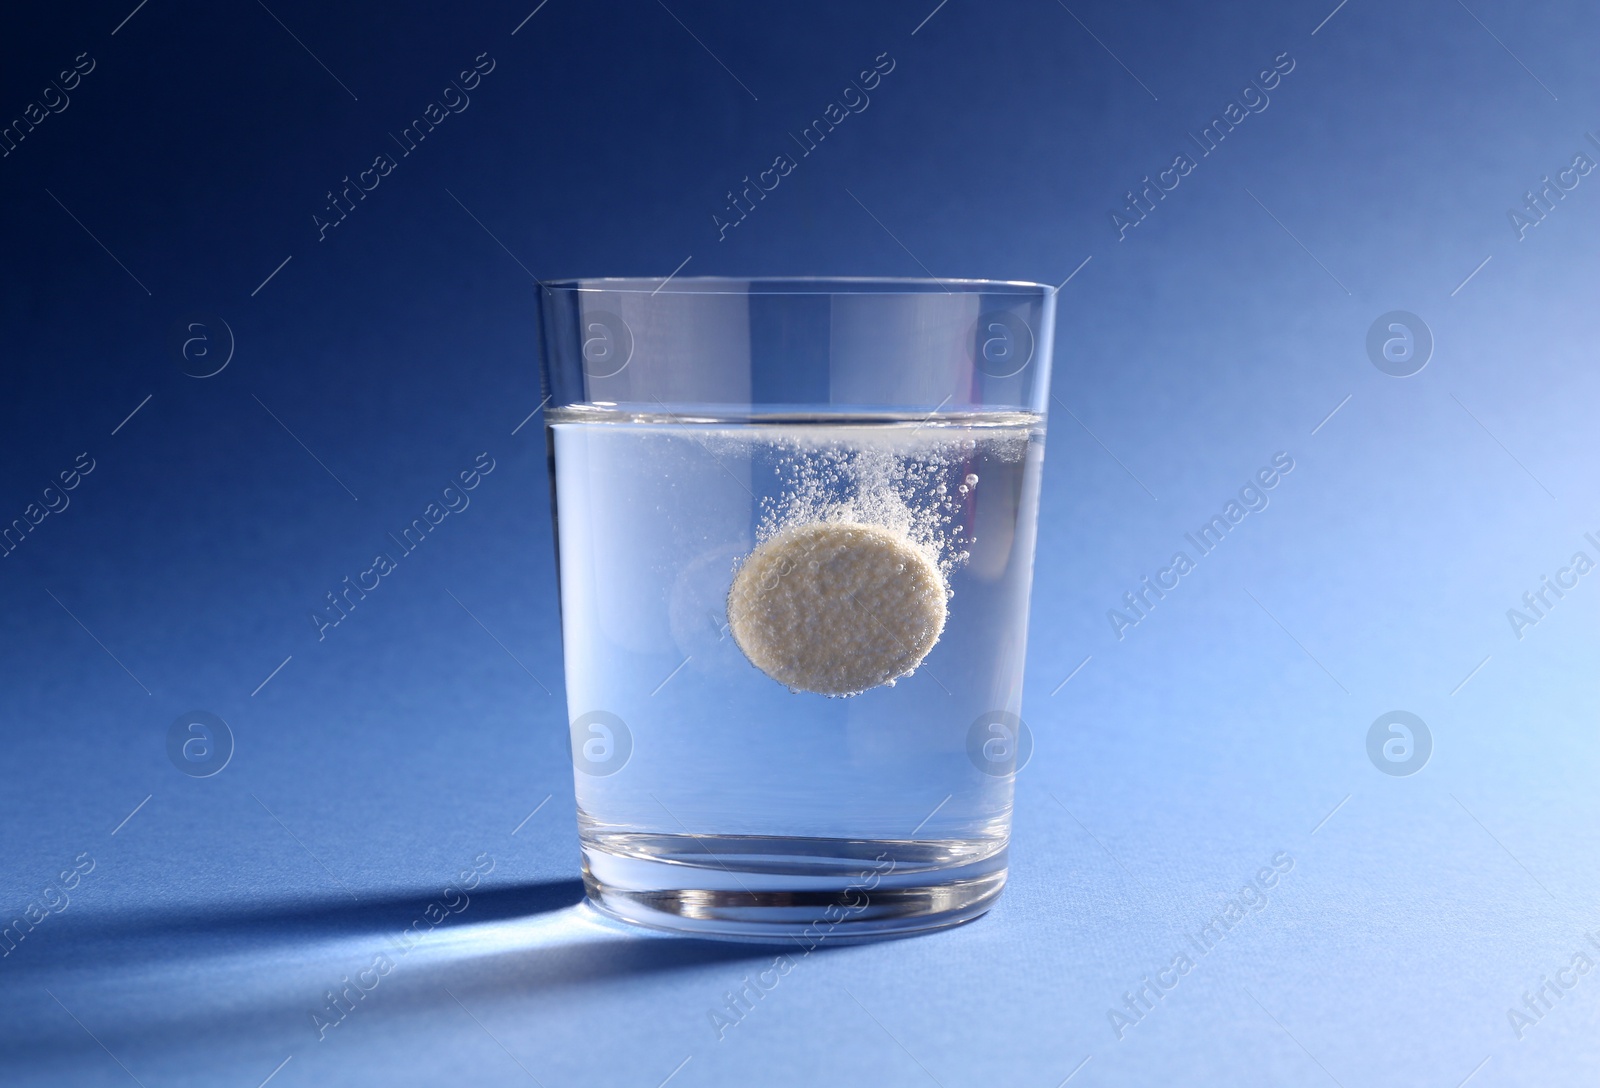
(1229, 725)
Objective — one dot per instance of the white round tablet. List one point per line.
(836, 608)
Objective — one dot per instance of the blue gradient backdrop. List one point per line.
(1219, 732)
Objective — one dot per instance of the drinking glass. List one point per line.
(795, 532)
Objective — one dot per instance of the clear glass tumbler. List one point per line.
(795, 531)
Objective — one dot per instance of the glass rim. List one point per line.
(795, 285)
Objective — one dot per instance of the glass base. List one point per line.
(784, 890)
